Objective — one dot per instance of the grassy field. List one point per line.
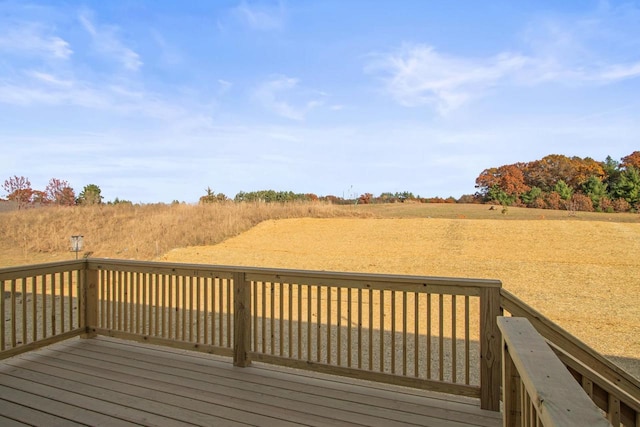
(581, 270)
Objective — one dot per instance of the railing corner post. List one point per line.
(90, 300)
(241, 320)
(490, 349)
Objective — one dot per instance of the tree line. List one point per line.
(553, 182)
(57, 192)
(561, 182)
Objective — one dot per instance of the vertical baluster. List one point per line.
(382, 328)
(254, 330)
(70, 299)
(139, 303)
(428, 336)
(144, 304)
(212, 283)
(466, 340)
(309, 322)
(404, 333)
(281, 320)
(191, 308)
(184, 309)
(359, 328)
(13, 314)
(416, 334)
(62, 322)
(44, 307)
(328, 346)
(318, 323)
(3, 316)
(23, 304)
(205, 309)
(164, 305)
(339, 326)
(349, 326)
(131, 301)
(272, 317)
(299, 319)
(198, 304)
(454, 346)
(290, 301)
(53, 304)
(370, 326)
(393, 332)
(170, 327)
(121, 292)
(111, 300)
(441, 335)
(126, 305)
(34, 309)
(229, 312)
(156, 305)
(221, 310)
(264, 317)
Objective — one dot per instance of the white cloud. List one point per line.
(567, 52)
(279, 95)
(33, 39)
(50, 79)
(419, 75)
(224, 86)
(107, 42)
(260, 17)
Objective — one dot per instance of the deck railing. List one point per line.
(425, 332)
(538, 389)
(41, 304)
(611, 388)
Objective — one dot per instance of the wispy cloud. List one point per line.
(33, 39)
(261, 17)
(565, 52)
(50, 79)
(107, 41)
(282, 96)
(419, 75)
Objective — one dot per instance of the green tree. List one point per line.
(628, 187)
(563, 190)
(595, 189)
(530, 197)
(212, 197)
(90, 195)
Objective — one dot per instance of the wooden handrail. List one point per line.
(537, 386)
(622, 391)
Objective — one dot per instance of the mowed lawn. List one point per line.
(584, 275)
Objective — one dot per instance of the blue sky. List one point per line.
(155, 101)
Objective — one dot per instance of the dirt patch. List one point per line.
(581, 274)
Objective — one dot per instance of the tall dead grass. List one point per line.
(141, 232)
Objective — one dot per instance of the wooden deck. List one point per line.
(106, 381)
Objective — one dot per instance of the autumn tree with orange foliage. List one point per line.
(557, 181)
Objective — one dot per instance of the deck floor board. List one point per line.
(106, 381)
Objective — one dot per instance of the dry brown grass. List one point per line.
(137, 232)
(581, 271)
(582, 274)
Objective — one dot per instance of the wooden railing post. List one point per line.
(490, 349)
(241, 320)
(510, 390)
(90, 299)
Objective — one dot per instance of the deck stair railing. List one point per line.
(425, 332)
(538, 389)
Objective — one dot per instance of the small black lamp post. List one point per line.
(76, 244)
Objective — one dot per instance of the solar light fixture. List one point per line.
(76, 244)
